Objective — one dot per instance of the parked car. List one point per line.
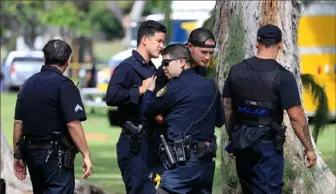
(19, 66)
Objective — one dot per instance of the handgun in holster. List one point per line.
(135, 137)
(280, 137)
(70, 150)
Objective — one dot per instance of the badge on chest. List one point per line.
(161, 92)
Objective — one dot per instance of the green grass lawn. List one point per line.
(102, 139)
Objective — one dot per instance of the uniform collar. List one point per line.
(51, 68)
(200, 70)
(188, 71)
(139, 57)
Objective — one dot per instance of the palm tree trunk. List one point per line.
(236, 27)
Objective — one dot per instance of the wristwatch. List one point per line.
(17, 155)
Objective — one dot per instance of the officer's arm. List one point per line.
(118, 90)
(155, 104)
(290, 101)
(18, 123)
(300, 125)
(74, 113)
(227, 104)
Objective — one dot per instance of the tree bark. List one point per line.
(236, 28)
(15, 186)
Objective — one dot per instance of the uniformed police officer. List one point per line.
(256, 93)
(191, 109)
(201, 44)
(127, 85)
(47, 127)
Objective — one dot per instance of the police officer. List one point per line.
(126, 87)
(47, 127)
(201, 44)
(192, 108)
(256, 93)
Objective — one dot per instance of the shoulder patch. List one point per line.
(161, 92)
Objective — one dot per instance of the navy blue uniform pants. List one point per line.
(260, 169)
(134, 167)
(46, 177)
(194, 177)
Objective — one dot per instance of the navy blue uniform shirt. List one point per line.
(47, 102)
(123, 88)
(162, 79)
(284, 86)
(183, 101)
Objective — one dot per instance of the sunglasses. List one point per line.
(166, 62)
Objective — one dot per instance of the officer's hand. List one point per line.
(159, 119)
(311, 158)
(151, 84)
(145, 85)
(19, 169)
(87, 167)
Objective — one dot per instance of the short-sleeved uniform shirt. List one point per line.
(47, 102)
(284, 86)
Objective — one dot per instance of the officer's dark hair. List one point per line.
(200, 35)
(178, 51)
(149, 28)
(56, 52)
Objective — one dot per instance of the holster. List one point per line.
(70, 151)
(69, 158)
(280, 137)
(135, 143)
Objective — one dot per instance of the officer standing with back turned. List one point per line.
(256, 93)
(125, 90)
(47, 130)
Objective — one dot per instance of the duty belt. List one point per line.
(40, 145)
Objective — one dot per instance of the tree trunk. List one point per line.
(236, 28)
(15, 186)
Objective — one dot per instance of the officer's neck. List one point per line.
(266, 55)
(62, 69)
(143, 53)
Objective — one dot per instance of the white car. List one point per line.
(19, 66)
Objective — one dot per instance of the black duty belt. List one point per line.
(40, 144)
(202, 147)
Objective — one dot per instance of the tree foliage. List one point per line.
(320, 98)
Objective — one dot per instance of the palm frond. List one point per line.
(320, 98)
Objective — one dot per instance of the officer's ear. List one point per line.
(144, 40)
(280, 44)
(189, 45)
(257, 44)
(67, 62)
(183, 63)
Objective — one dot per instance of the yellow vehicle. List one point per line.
(317, 43)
